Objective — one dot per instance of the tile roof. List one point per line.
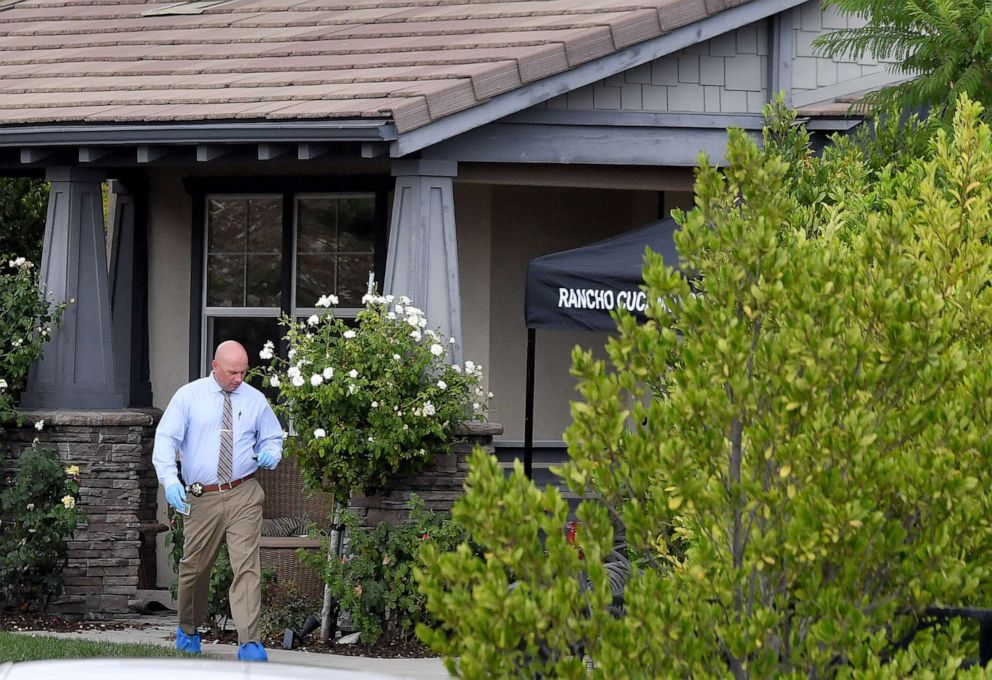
(411, 61)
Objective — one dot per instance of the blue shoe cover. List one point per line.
(252, 651)
(187, 643)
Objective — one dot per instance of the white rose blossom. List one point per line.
(396, 357)
(327, 301)
(3, 384)
(316, 379)
(328, 373)
(267, 351)
(416, 335)
(293, 371)
(437, 350)
(292, 353)
(298, 381)
(352, 388)
(469, 366)
(353, 373)
(313, 320)
(274, 381)
(39, 425)
(348, 335)
(443, 385)
(319, 433)
(429, 409)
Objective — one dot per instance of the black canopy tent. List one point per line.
(577, 289)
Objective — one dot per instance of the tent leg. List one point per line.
(529, 407)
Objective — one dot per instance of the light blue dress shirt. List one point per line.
(192, 422)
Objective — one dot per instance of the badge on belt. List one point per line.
(196, 489)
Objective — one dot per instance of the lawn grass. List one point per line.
(20, 647)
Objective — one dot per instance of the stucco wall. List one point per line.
(528, 221)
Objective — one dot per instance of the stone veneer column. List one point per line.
(118, 495)
(440, 484)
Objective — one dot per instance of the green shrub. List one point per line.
(371, 400)
(38, 515)
(286, 606)
(795, 444)
(373, 582)
(27, 320)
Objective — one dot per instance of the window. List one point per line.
(269, 254)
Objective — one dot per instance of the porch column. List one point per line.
(422, 258)
(129, 290)
(78, 369)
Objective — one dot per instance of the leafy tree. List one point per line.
(23, 201)
(947, 44)
(794, 447)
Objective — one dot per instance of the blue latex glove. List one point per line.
(267, 460)
(176, 495)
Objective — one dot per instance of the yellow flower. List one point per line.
(72, 470)
(69, 502)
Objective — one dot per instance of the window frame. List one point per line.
(290, 189)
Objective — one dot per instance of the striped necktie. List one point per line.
(225, 461)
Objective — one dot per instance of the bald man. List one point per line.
(224, 430)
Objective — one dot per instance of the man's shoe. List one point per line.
(187, 643)
(252, 651)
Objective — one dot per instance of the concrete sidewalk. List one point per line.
(160, 632)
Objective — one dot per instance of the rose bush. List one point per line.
(38, 515)
(370, 399)
(26, 320)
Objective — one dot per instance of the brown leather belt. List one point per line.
(226, 486)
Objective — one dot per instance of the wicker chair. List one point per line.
(285, 496)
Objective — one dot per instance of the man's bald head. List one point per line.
(230, 365)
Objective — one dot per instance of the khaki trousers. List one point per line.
(216, 516)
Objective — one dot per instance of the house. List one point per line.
(264, 152)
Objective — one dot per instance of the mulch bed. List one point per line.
(382, 649)
(53, 623)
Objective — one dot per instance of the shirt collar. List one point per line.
(214, 387)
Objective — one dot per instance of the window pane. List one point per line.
(264, 279)
(250, 332)
(226, 219)
(355, 225)
(265, 225)
(317, 224)
(353, 278)
(314, 277)
(335, 248)
(225, 280)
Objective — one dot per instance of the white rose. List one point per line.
(39, 425)
(274, 381)
(391, 316)
(316, 379)
(313, 320)
(292, 353)
(456, 368)
(443, 385)
(404, 299)
(389, 298)
(298, 381)
(266, 352)
(451, 341)
(396, 357)
(319, 433)
(437, 350)
(491, 395)
(375, 404)
(352, 388)
(3, 384)
(400, 309)
(470, 366)
(429, 409)
(353, 373)
(413, 321)
(328, 373)
(293, 371)
(416, 335)
(422, 321)
(349, 335)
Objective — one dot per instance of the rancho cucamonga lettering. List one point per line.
(600, 298)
